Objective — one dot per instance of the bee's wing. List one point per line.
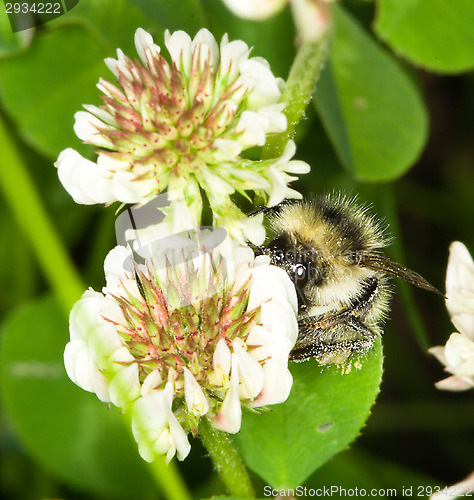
(384, 265)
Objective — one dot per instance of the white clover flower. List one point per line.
(257, 10)
(153, 344)
(458, 354)
(463, 488)
(311, 17)
(183, 126)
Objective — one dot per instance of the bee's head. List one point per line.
(304, 264)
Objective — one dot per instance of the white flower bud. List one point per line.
(458, 354)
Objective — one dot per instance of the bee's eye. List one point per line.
(300, 272)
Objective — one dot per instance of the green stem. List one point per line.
(299, 90)
(169, 479)
(406, 294)
(32, 218)
(226, 460)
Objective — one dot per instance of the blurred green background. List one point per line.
(392, 121)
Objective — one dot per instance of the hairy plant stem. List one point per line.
(226, 460)
(298, 92)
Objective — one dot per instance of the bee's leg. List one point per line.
(262, 249)
(266, 210)
(308, 327)
(336, 343)
(333, 338)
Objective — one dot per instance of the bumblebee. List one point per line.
(331, 248)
